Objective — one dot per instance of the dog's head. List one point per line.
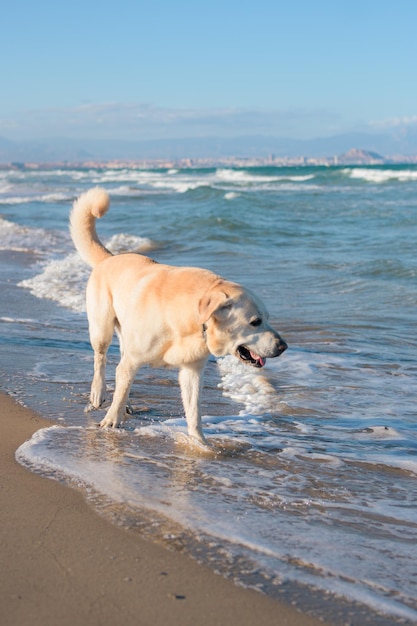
(236, 322)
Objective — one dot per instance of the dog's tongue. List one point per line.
(261, 361)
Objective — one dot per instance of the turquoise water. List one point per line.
(311, 491)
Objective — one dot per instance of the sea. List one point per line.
(308, 492)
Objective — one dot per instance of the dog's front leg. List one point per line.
(190, 379)
(125, 373)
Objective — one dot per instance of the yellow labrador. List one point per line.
(164, 316)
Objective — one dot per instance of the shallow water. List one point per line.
(309, 491)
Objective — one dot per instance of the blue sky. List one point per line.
(134, 69)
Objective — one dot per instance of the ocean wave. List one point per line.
(48, 174)
(133, 191)
(180, 186)
(138, 177)
(5, 186)
(34, 197)
(24, 239)
(123, 242)
(381, 175)
(181, 181)
(61, 280)
(135, 181)
(247, 387)
(20, 188)
(245, 177)
(64, 280)
(18, 320)
(239, 181)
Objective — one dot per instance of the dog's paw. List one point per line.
(199, 440)
(109, 422)
(97, 399)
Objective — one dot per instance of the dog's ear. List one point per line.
(215, 304)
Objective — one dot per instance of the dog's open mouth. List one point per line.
(247, 356)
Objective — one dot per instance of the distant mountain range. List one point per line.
(250, 146)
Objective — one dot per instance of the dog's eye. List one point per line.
(256, 322)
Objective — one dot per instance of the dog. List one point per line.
(164, 316)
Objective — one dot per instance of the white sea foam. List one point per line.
(123, 242)
(237, 176)
(243, 177)
(246, 386)
(180, 186)
(381, 175)
(182, 181)
(18, 320)
(24, 239)
(5, 186)
(33, 197)
(61, 280)
(134, 181)
(64, 280)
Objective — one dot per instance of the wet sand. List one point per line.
(61, 563)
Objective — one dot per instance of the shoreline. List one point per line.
(63, 564)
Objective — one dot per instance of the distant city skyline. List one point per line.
(138, 71)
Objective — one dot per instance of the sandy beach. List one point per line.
(63, 564)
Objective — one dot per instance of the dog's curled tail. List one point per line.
(86, 209)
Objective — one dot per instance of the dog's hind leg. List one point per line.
(125, 374)
(101, 334)
(190, 379)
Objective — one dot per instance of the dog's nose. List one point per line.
(281, 346)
